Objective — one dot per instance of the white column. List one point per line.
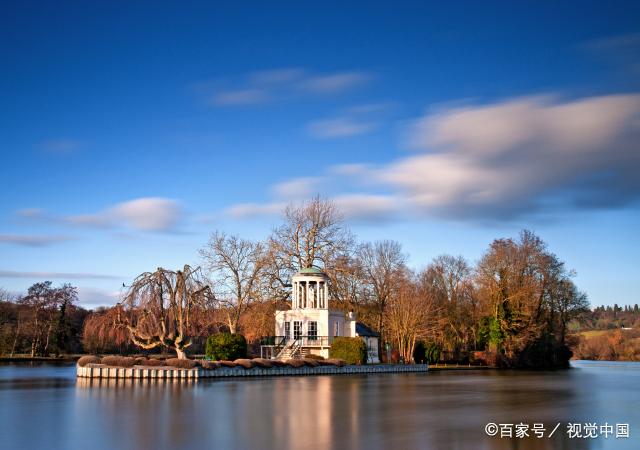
(306, 294)
(326, 295)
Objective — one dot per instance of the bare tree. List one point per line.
(41, 306)
(161, 309)
(100, 335)
(312, 235)
(237, 267)
(382, 264)
(411, 314)
(448, 279)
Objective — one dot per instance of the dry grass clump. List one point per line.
(297, 363)
(151, 362)
(262, 362)
(310, 362)
(246, 363)
(209, 365)
(277, 363)
(335, 362)
(230, 364)
(316, 357)
(181, 363)
(119, 361)
(90, 359)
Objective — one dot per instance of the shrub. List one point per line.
(226, 346)
(209, 365)
(246, 363)
(153, 363)
(316, 357)
(297, 363)
(227, 364)
(262, 362)
(310, 362)
(181, 363)
(119, 361)
(352, 350)
(420, 353)
(334, 362)
(88, 360)
(432, 353)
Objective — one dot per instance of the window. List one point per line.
(313, 331)
(287, 330)
(297, 329)
(336, 328)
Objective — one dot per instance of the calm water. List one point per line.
(44, 407)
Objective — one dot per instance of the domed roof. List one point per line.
(312, 271)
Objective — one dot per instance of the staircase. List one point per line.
(291, 351)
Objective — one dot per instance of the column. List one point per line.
(295, 295)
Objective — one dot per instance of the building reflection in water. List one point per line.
(437, 410)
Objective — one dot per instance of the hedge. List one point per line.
(352, 350)
(226, 346)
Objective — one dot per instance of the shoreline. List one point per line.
(99, 371)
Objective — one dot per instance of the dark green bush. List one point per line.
(432, 353)
(226, 346)
(420, 353)
(352, 350)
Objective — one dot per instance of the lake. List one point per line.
(43, 406)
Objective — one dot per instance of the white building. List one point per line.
(310, 325)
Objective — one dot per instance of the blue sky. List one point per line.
(130, 131)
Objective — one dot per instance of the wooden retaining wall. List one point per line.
(97, 371)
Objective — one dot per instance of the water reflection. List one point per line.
(399, 411)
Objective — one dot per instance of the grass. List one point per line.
(594, 333)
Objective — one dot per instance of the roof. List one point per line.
(311, 271)
(363, 330)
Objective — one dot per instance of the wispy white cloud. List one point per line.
(334, 83)
(368, 206)
(149, 214)
(621, 50)
(143, 214)
(61, 146)
(56, 275)
(297, 188)
(505, 159)
(278, 84)
(339, 127)
(524, 156)
(249, 210)
(240, 97)
(33, 240)
(351, 121)
(277, 76)
(91, 297)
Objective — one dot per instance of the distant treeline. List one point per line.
(45, 321)
(610, 333)
(607, 318)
